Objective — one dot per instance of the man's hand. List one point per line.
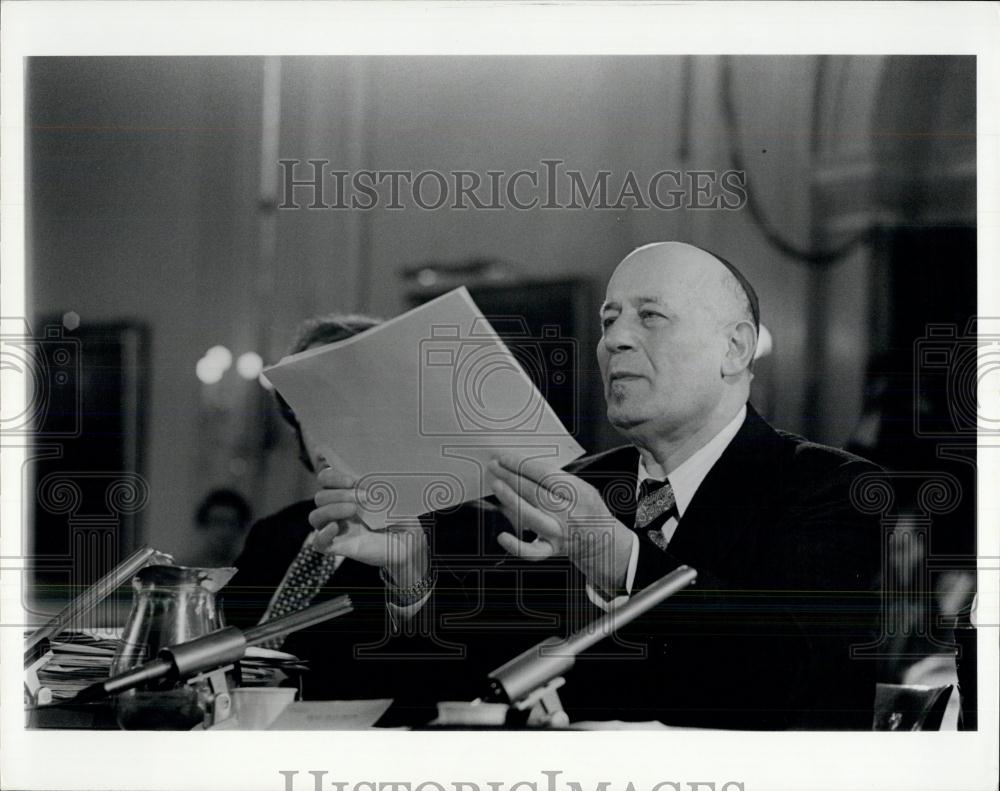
(401, 549)
(566, 514)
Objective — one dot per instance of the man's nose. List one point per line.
(618, 336)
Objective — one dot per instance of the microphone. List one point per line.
(38, 642)
(212, 650)
(540, 664)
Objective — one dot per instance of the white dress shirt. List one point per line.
(684, 481)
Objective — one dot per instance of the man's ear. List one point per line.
(741, 344)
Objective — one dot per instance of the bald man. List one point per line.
(787, 566)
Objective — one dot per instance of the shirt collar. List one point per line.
(686, 479)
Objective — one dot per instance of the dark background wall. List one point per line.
(145, 205)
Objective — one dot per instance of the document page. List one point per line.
(417, 406)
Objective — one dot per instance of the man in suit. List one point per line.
(287, 564)
(787, 566)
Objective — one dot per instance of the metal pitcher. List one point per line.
(171, 604)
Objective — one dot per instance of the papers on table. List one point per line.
(78, 660)
(417, 406)
(82, 658)
(330, 715)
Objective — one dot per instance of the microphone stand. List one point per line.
(36, 643)
(207, 658)
(529, 682)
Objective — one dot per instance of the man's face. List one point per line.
(663, 342)
(223, 518)
(309, 450)
(312, 451)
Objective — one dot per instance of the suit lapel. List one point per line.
(723, 519)
(614, 474)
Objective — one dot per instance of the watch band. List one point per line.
(404, 597)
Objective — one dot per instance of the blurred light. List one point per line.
(220, 357)
(249, 365)
(71, 320)
(238, 466)
(208, 372)
(427, 277)
(265, 382)
(765, 343)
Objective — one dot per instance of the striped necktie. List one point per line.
(656, 498)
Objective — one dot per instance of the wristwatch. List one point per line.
(403, 597)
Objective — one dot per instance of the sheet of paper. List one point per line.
(417, 406)
(330, 715)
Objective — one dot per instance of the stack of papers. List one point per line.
(80, 659)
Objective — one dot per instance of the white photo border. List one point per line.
(231, 760)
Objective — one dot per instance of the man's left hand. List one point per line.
(401, 549)
(566, 514)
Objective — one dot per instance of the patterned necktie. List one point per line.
(655, 499)
(305, 576)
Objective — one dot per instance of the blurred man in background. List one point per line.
(221, 523)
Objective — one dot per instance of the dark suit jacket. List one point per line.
(788, 583)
